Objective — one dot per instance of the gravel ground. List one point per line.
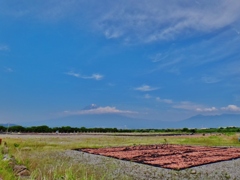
(116, 168)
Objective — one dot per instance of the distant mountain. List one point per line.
(93, 120)
(213, 121)
(120, 121)
(107, 120)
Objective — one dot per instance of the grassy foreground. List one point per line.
(42, 153)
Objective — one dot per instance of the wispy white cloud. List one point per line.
(168, 101)
(237, 97)
(7, 69)
(111, 84)
(204, 52)
(210, 79)
(112, 34)
(232, 108)
(148, 21)
(93, 76)
(186, 105)
(147, 96)
(145, 88)
(237, 31)
(51, 10)
(194, 107)
(4, 48)
(100, 110)
(229, 69)
(211, 109)
(71, 73)
(159, 57)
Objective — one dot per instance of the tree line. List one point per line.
(68, 129)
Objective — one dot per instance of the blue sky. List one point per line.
(149, 59)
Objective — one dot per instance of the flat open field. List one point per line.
(54, 156)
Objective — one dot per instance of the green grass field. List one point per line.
(42, 153)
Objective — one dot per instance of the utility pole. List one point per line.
(7, 128)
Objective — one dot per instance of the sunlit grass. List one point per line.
(6, 172)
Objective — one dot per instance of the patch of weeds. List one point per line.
(16, 145)
(229, 133)
(6, 171)
(227, 176)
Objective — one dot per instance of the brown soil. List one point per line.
(169, 156)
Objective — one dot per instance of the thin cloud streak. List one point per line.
(212, 109)
(186, 105)
(7, 69)
(190, 106)
(144, 22)
(93, 76)
(167, 101)
(180, 59)
(147, 96)
(73, 74)
(4, 48)
(145, 88)
(200, 108)
(147, 22)
(210, 79)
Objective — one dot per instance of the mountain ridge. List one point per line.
(120, 121)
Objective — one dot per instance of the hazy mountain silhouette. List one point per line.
(120, 121)
(201, 121)
(95, 120)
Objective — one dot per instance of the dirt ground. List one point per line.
(169, 156)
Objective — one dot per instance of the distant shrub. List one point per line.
(16, 145)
